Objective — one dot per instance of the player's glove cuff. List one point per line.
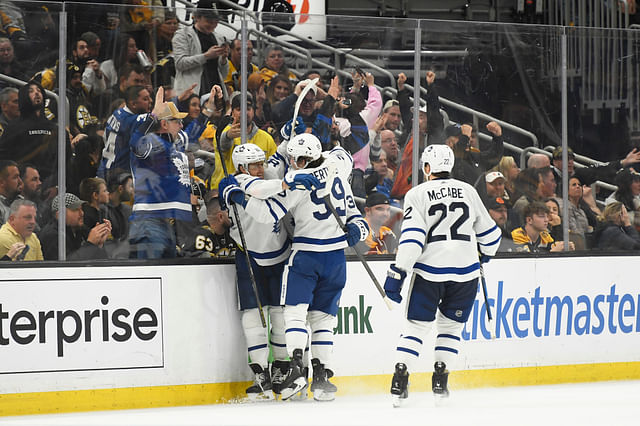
(357, 231)
(393, 283)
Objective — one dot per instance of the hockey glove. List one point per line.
(356, 232)
(300, 127)
(231, 192)
(393, 283)
(302, 180)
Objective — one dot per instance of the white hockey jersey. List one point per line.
(268, 243)
(444, 226)
(315, 228)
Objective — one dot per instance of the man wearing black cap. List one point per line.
(200, 58)
(381, 239)
(498, 209)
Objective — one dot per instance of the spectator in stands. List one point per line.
(616, 231)
(120, 187)
(92, 77)
(9, 65)
(161, 183)
(588, 175)
(84, 163)
(212, 239)
(555, 219)
(354, 119)
(471, 163)
(581, 218)
(379, 178)
(121, 125)
(491, 185)
(125, 53)
(233, 77)
(32, 137)
(536, 184)
(538, 161)
(200, 58)
(130, 75)
(10, 184)
(429, 129)
(278, 88)
(533, 236)
(498, 209)
(81, 243)
(381, 239)
(311, 117)
(12, 20)
(393, 118)
(32, 191)
(165, 31)
(509, 169)
(81, 112)
(94, 193)
(628, 193)
(9, 110)
(389, 144)
(20, 229)
(274, 64)
(231, 136)
(140, 19)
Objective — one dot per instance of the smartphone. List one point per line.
(359, 71)
(346, 102)
(24, 252)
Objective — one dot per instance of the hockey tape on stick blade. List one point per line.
(303, 94)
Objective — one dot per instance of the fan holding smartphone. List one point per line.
(17, 240)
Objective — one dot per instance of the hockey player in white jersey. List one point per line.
(315, 274)
(269, 247)
(445, 225)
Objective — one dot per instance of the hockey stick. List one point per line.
(332, 209)
(301, 97)
(486, 302)
(223, 123)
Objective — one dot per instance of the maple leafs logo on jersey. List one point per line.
(183, 171)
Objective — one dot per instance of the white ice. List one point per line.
(602, 404)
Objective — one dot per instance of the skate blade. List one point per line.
(320, 395)
(397, 400)
(300, 383)
(440, 400)
(263, 396)
(303, 395)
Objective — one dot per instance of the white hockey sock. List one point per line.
(278, 342)
(410, 342)
(322, 325)
(256, 337)
(447, 340)
(295, 323)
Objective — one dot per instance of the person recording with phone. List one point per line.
(17, 239)
(200, 55)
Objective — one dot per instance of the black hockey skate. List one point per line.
(295, 380)
(278, 374)
(439, 381)
(303, 395)
(400, 384)
(322, 388)
(261, 390)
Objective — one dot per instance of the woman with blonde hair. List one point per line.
(616, 231)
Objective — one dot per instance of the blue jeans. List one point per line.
(152, 238)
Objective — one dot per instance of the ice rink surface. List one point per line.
(602, 404)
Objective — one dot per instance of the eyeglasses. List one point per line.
(177, 120)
